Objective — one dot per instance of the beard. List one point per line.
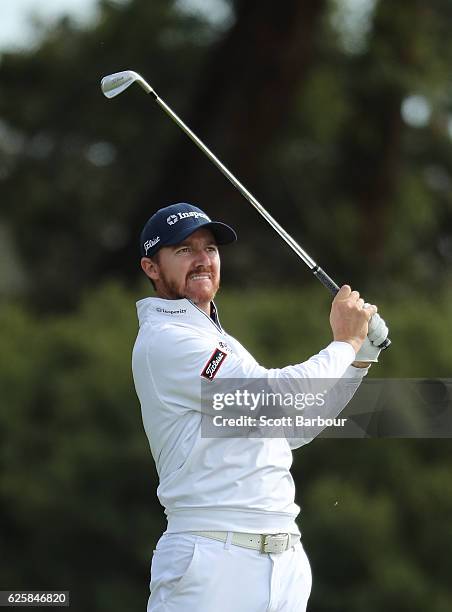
(174, 290)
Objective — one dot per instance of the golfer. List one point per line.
(232, 543)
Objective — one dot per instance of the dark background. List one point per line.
(338, 117)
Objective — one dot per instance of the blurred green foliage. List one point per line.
(78, 508)
(75, 476)
(338, 116)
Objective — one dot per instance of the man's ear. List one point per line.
(150, 268)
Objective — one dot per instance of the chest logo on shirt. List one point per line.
(213, 365)
(224, 347)
(171, 312)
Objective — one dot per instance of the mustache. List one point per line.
(200, 270)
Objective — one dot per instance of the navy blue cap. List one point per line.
(172, 224)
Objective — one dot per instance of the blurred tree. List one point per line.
(364, 524)
(340, 122)
(386, 164)
(375, 181)
(72, 165)
(78, 508)
(77, 503)
(347, 143)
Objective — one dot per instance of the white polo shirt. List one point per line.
(220, 484)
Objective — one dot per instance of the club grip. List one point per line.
(333, 288)
(325, 280)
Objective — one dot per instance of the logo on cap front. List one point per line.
(172, 219)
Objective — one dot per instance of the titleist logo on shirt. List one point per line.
(214, 363)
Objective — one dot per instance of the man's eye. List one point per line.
(212, 249)
(184, 250)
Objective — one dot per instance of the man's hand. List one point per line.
(369, 351)
(349, 317)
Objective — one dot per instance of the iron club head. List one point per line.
(114, 84)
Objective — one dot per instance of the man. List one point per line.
(232, 543)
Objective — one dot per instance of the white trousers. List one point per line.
(191, 573)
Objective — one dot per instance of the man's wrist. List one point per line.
(355, 343)
(361, 364)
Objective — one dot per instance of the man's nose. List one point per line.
(202, 258)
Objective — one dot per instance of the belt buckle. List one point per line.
(275, 542)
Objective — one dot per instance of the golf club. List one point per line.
(114, 84)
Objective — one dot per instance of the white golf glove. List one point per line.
(377, 334)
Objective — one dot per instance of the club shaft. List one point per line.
(238, 185)
(318, 272)
(114, 84)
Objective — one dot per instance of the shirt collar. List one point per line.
(176, 310)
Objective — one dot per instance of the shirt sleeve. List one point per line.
(340, 395)
(179, 360)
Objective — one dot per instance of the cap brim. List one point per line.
(223, 233)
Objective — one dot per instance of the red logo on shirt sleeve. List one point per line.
(213, 365)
